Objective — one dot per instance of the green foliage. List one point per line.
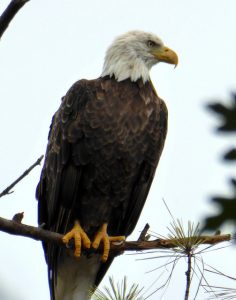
(227, 114)
(226, 204)
(230, 155)
(227, 212)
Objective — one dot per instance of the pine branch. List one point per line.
(37, 233)
(9, 13)
(7, 191)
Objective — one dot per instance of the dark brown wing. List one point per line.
(59, 182)
(152, 139)
(104, 145)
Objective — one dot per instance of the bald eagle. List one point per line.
(104, 145)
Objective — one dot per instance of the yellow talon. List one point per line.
(103, 236)
(80, 237)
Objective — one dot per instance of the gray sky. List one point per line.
(50, 45)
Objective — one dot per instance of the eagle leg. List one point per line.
(106, 239)
(80, 238)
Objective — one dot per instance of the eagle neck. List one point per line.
(132, 68)
(139, 82)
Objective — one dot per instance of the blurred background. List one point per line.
(51, 44)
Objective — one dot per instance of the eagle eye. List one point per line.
(151, 43)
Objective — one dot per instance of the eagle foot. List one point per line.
(80, 238)
(103, 236)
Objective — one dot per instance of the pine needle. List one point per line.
(118, 291)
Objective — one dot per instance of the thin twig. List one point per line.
(143, 233)
(9, 14)
(188, 275)
(7, 191)
(37, 233)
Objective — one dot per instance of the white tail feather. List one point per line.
(76, 277)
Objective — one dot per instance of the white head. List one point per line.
(132, 55)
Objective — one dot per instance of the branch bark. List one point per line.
(9, 14)
(7, 191)
(37, 233)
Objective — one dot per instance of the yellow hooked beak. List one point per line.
(165, 54)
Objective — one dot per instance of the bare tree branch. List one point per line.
(37, 233)
(7, 191)
(9, 14)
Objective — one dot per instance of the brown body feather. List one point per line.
(104, 146)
